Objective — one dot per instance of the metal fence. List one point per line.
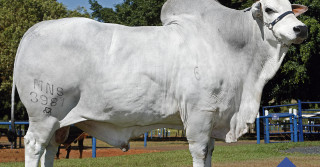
(297, 129)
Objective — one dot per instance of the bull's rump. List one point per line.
(81, 63)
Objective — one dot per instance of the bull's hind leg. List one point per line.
(48, 156)
(37, 138)
(198, 131)
(52, 148)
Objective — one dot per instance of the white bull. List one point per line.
(203, 70)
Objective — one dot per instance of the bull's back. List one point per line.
(54, 58)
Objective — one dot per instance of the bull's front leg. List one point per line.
(198, 131)
(209, 152)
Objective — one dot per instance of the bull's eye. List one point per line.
(269, 10)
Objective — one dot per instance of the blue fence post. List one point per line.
(264, 124)
(295, 133)
(258, 129)
(145, 139)
(94, 144)
(267, 138)
(291, 126)
(267, 131)
(151, 133)
(291, 129)
(300, 121)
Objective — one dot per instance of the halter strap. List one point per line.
(270, 25)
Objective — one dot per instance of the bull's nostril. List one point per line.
(296, 29)
(301, 31)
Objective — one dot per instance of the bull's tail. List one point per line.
(12, 102)
(12, 132)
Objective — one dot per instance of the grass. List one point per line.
(224, 155)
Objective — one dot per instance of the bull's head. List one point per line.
(279, 16)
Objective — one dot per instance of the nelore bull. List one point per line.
(203, 70)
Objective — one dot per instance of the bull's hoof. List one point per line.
(125, 147)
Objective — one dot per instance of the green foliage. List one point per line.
(237, 4)
(130, 12)
(16, 16)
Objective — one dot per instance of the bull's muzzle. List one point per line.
(301, 33)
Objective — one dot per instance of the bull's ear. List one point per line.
(256, 10)
(298, 9)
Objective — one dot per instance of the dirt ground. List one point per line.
(17, 155)
(103, 150)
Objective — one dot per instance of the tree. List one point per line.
(130, 12)
(16, 17)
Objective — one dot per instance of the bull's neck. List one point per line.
(270, 52)
(236, 30)
(253, 41)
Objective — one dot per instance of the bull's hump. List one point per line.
(176, 8)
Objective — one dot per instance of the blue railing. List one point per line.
(16, 123)
(296, 123)
(267, 133)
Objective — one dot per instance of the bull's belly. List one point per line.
(130, 119)
(129, 109)
(116, 135)
(117, 115)
(118, 119)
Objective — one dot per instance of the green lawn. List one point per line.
(224, 155)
